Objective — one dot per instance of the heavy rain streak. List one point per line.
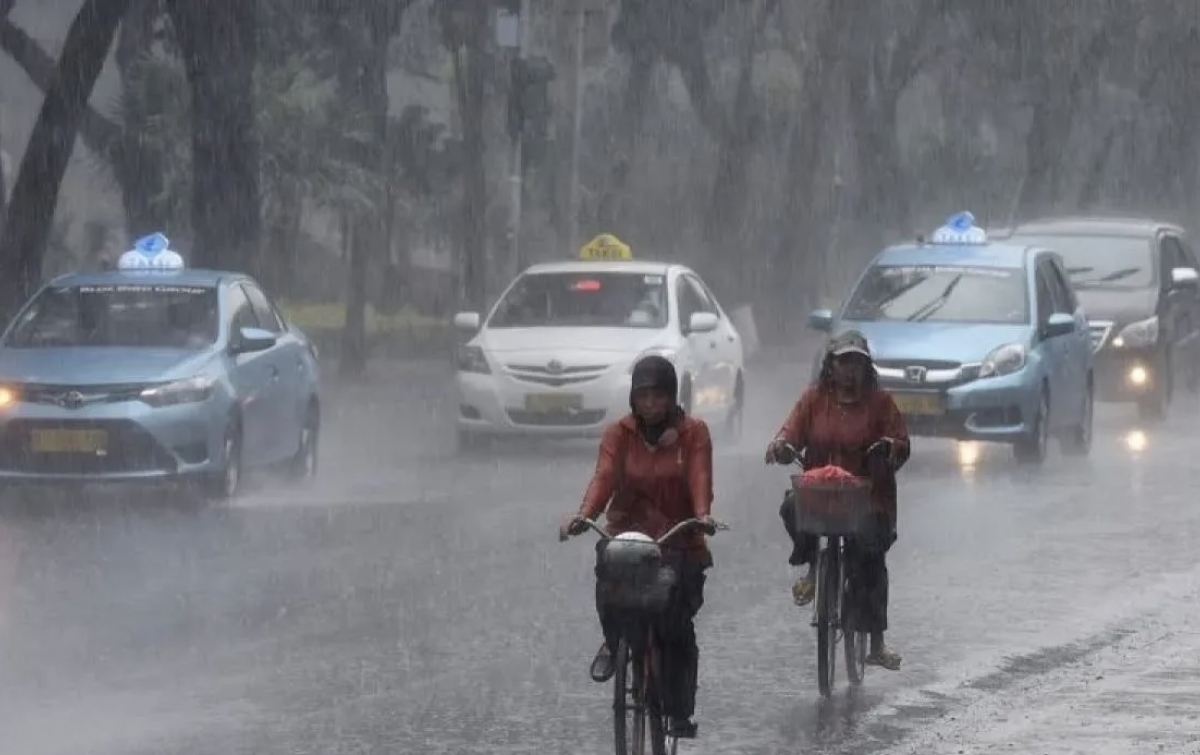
(424, 243)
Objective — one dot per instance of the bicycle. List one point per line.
(832, 513)
(639, 584)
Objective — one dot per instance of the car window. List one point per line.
(1095, 261)
(125, 315)
(714, 305)
(940, 293)
(584, 299)
(692, 299)
(263, 311)
(1064, 297)
(1172, 256)
(1045, 295)
(1189, 254)
(241, 313)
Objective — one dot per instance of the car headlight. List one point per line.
(668, 354)
(186, 391)
(1138, 334)
(8, 396)
(471, 359)
(1003, 360)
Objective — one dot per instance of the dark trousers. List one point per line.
(675, 630)
(866, 567)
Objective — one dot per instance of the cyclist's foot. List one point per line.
(683, 728)
(602, 665)
(884, 658)
(804, 590)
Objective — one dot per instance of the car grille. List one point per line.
(130, 449)
(1099, 330)
(55, 395)
(556, 419)
(556, 377)
(929, 364)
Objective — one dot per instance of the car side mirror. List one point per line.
(821, 319)
(1185, 277)
(250, 340)
(468, 321)
(1058, 324)
(702, 322)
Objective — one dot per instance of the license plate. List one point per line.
(551, 403)
(919, 404)
(68, 441)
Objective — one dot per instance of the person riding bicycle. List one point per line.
(655, 466)
(846, 419)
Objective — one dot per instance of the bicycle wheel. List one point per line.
(629, 720)
(660, 742)
(854, 643)
(828, 593)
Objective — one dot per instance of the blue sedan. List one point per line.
(157, 373)
(976, 340)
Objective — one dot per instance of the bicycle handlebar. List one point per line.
(685, 524)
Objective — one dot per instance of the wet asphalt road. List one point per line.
(413, 602)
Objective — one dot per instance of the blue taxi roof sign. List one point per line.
(959, 229)
(151, 252)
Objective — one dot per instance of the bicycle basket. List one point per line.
(831, 508)
(632, 576)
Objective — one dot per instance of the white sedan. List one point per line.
(554, 356)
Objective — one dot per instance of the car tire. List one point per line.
(1077, 441)
(1155, 405)
(685, 394)
(736, 419)
(1031, 450)
(225, 484)
(303, 466)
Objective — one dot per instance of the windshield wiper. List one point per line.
(1115, 275)
(927, 310)
(1077, 270)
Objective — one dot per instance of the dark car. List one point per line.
(1139, 283)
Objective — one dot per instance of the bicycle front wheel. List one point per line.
(828, 592)
(629, 702)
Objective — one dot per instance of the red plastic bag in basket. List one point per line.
(830, 474)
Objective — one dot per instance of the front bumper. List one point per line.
(500, 404)
(118, 442)
(1125, 375)
(995, 409)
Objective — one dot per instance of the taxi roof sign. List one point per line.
(959, 228)
(151, 253)
(605, 247)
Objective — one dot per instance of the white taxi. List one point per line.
(554, 355)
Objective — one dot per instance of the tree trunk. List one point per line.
(219, 42)
(470, 71)
(35, 195)
(138, 171)
(633, 113)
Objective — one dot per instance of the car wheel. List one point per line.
(225, 483)
(1078, 440)
(1032, 448)
(1154, 405)
(685, 394)
(736, 419)
(303, 465)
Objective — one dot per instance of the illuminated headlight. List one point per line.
(189, 391)
(471, 359)
(668, 354)
(8, 397)
(1139, 375)
(1137, 334)
(1004, 360)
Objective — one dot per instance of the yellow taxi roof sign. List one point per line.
(605, 247)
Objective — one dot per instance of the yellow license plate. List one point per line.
(919, 404)
(68, 441)
(550, 403)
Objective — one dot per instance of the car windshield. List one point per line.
(1102, 261)
(152, 316)
(584, 299)
(940, 293)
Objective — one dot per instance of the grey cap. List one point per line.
(849, 342)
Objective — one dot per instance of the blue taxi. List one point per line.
(976, 340)
(155, 372)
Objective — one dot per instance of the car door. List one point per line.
(1077, 354)
(1182, 303)
(255, 380)
(286, 359)
(728, 350)
(700, 346)
(1053, 351)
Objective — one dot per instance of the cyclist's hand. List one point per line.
(778, 452)
(572, 524)
(884, 448)
(708, 525)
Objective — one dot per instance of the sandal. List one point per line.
(885, 659)
(804, 591)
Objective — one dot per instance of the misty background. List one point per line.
(360, 152)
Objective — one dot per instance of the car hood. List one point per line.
(99, 365)
(557, 340)
(957, 342)
(1118, 304)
